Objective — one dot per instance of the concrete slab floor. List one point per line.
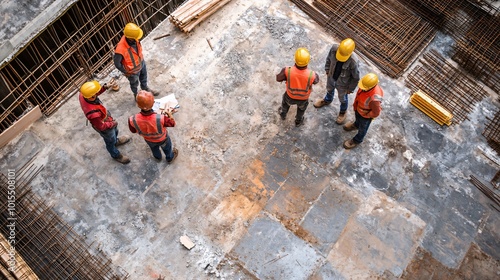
(260, 198)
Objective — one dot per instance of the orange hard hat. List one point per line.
(145, 100)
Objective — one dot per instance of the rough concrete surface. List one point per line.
(259, 197)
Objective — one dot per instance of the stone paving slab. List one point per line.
(381, 236)
(270, 251)
(329, 215)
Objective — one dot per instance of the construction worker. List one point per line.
(299, 81)
(367, 106)
(342, 73)
(153, 127)
(101, 119)
(129, 59)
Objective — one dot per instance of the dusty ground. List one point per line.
(260, 198)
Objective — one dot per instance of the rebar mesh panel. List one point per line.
(492, 132)
(478, 51)
(72, 49)
(46, 243)
(384, 31)
(441, 80)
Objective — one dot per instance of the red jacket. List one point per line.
(96, 113)
(132, 60)
(367, 103)
(150, 125)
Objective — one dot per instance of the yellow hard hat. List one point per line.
(132, 31)
(302, 57)
(345, 50)
(368, 81)
(90, 89)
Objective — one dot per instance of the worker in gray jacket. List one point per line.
(342, 71)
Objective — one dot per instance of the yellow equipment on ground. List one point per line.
(431, 108)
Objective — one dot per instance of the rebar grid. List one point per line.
(486, 191)
(446, 84)
(72, 49)
(492, 132)
(48, 244)
(384, 31)
(478, 51)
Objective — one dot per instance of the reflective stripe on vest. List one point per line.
(132, 60)
(90, 109)
(365, 97)
(143, 128)
(295, 87)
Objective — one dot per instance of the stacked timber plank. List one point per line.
(431, 108)
(192, 12)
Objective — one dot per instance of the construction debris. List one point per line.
(431, 108)
(186, 242)
(192, 12)
(486, 191)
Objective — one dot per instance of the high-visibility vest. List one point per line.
(299, 82)
(132, 60)
(92, 111)
(151, 127)
(363, 99)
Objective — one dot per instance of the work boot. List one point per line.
(341, 118)
(283, 116)
(154, 92)
(157, 159)
(349, 144)
(122, 140)
(320, 103)
(175, 155)
(122, 159)
(299, 122)
(350, 127)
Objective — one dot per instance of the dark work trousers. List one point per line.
(362, 124)
(288, 101)
(139, 78)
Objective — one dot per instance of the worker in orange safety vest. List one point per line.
(299, 81)
(367, 106)
(128, 58)
(101, 119)
(153, 127)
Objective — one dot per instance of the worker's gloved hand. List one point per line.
(105, 86)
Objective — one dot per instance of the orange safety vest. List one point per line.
(299, 82)
(132, 60)
(151, 127)
(363, 99)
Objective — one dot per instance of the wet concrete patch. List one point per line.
(15, 155)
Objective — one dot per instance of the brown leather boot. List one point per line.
(122, 140)
(349, 144)
(320, 103)
(341, 118)
(122, 159)
(350, 127)
(176, 152)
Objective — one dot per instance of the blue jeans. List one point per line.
(109, 136)
(141, 77)
(166, 146)
(342, 94)
(362, 124)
